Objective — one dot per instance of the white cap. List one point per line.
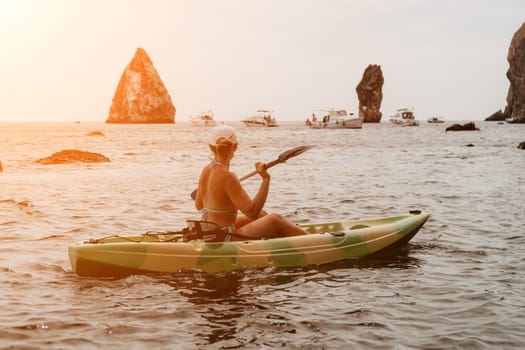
(222, 131)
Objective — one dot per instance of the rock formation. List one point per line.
(72, 156)
(370, 94)
(521, 145)
(96, 133)
(141, 97)
(470, 126)
(496, 117)
(1, 169)
(515, 108)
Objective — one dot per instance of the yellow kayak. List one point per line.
(170, 252)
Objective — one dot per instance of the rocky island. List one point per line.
(141, 97)
(73, 156)
(470, 126)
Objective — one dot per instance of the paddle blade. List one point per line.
(283, 157)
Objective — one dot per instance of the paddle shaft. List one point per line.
(268, 166)
(283, 157)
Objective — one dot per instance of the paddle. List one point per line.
(283, 157)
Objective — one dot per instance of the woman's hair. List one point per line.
(222, 139)
(223, 145)
(222, 131)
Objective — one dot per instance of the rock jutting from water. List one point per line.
(470, 126)
(141, 97)
(95, 133)
(496, 116)
(73, 156)
(370, 94)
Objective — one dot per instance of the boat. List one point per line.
(336, 119)
(435, 120)
(203, 119)
(263, 118)
(170, 252)
(404, 117)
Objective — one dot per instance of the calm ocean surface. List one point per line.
(460, 283)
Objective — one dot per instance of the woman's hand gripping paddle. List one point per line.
(283, 157)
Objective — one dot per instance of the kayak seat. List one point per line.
(208, 232)
(205, 230)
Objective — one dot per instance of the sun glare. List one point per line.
(8, 12)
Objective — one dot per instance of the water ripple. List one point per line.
(457, 285)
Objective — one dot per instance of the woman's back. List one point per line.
(217, 206)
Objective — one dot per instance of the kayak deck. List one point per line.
(166, 252)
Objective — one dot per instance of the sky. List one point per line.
(61, 60)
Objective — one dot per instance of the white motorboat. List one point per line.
(336, 119)
(263, 118)
(404, 117)
(203, 119)
(435, 120)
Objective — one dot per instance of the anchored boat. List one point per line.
(336, 119)
(171, 252)
(263, 118)
(435, 120)
(404, 117)
(203, 119)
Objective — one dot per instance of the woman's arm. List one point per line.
(240, 198)
(198, 199)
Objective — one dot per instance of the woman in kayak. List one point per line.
(220, 195)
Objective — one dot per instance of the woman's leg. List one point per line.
(243, 219)
(271, 226)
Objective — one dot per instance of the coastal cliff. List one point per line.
(515, 108)
(141, 97)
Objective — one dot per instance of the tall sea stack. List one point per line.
(515, 108)
(370, 94)
(141, 97)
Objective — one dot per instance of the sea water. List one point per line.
(459, 284)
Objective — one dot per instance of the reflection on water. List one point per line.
(397, 257)
(224, 302)
(219, 303)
